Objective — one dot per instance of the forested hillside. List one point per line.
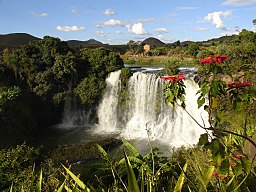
(36, 79)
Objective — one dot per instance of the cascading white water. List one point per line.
(107, 111)
(73, 115)
(147, 115)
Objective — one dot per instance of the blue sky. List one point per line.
(118, 21)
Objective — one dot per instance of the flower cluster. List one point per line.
(174, 78)
(237, 84)
(211, 59)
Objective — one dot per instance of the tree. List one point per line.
(135, 47)
(254, 21)
(193, 49)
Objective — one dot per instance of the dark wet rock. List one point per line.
(74, 154)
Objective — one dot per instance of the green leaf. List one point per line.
(39, 184)
(31, 188)
(246, 165)
(180, 182)
(200, 102)
(103, 153)
(131, 159)
(133, 150)
(217, 159)
(231, 180)
(206, 178)
(77, 180)
(238, 169)
(62, 186)
(214, 103)
(215, 88)
(132, 182)
(11, 188)
(224, 168)
(203, 139)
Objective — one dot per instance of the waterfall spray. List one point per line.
(147, 114)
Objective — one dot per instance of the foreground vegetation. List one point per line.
(36, 79)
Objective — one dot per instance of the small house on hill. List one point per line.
(146, 48)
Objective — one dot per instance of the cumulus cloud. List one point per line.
(160, 30)
(238, 2)
(164, 39)
(216, 18)
(201, 29)
(109, 12)
(114, 22)
(254, 29)
(101, 33)
(40, 14)
(70, 28)
(137, 29)
(185, 8)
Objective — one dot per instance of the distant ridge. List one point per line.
(153, 42)
(76, 43)
(15, 40)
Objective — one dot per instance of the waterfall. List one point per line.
(107, 111)
(74, 115)
(145, 113)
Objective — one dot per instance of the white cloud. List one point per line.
(201, 29)
(160, 30)
(99, 26)
(119, 32)
(151, 19)
(239, 2)
(254, 29)
(229, 33)
(164, 39)
(146, 20)
(109, 12)
(137, 29)
(216, 18)
(40, 14)
(114, 22)
(101, 33)
(70, 28)
(74, 11)
(185, 8)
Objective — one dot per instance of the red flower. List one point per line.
(173, 78)
(222, 177)
(236, 84)
(214, 174)
(238, 156)
(206, 60)
(218, 58)
(231, 164)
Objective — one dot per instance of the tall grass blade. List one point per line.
(62, 186)
(77, 180)
(181, 179)
(132, 149)
(206, 178)
(132, 182)
(11, 188)
(31, 189)
(103, 153)
(39, 183)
